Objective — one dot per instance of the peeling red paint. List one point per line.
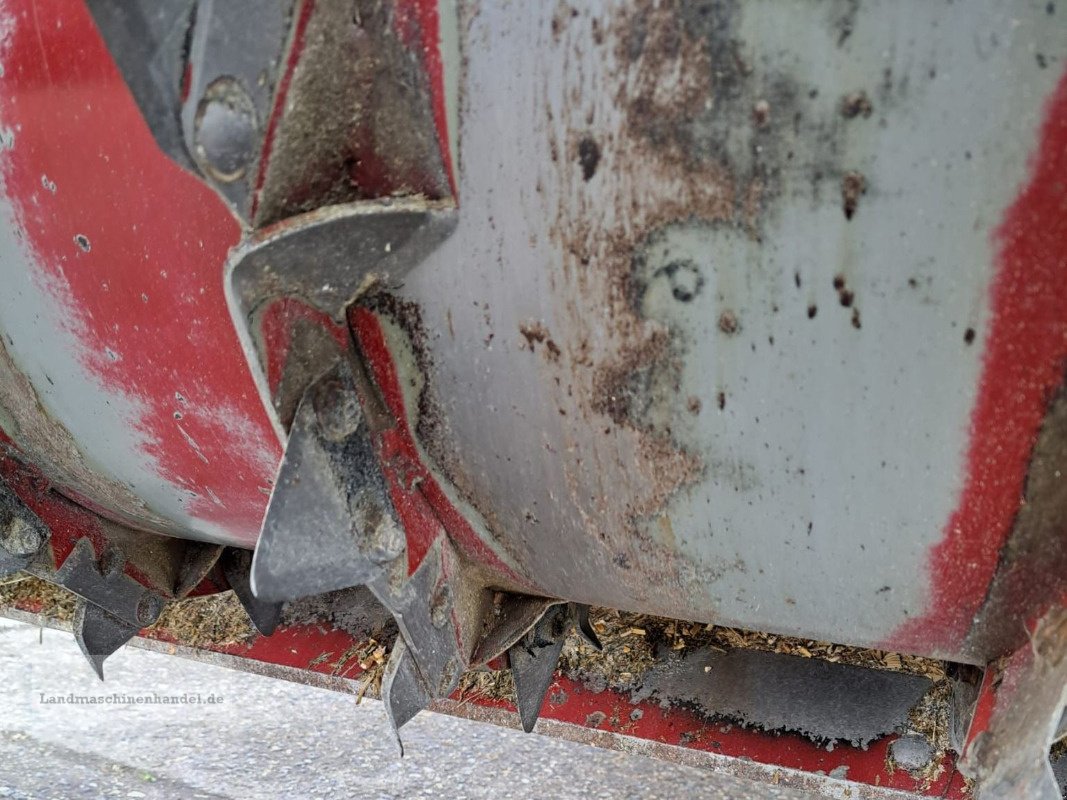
(143, 300)
(419, 24)
(1024, 360)
(420, 502)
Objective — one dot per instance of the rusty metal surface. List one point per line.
(711, 325)
(708, 336)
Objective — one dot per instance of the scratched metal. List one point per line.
(706, 340)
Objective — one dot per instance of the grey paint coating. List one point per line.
(837, 457)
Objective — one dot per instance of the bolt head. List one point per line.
(337, 410)
(20, 538)
(225, 130)
(149, 607)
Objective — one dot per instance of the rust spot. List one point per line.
(535, 333)
(720, 400)
(694, 404)
(856, 319)
(728, 323)
(761, 113)
(853, 185)
(968, 336)
(588, 157)
(595, 719)
(856, 104)
(812, 311)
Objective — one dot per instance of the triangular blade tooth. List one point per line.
(515, 618)
(585, 627)
(533, 663)
(329, 523)
(99, 634)
(236, 565)
(404, 692)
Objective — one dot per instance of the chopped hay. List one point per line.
(214, 620)
(633, 644)
(489, 684)
(38, 597)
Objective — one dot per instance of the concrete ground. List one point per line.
(272, 739)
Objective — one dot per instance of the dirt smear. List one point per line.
(661, 163)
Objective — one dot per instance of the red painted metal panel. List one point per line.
(142, 291)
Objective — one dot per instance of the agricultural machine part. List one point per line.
(22, 534)
(1022, 702)
(100, 633)
(221, 90)
(654, 362)
(329, 524)
(105, 584)
(112, 607)
(237, 568)
(533, 661)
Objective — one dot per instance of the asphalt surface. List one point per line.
(273, 739)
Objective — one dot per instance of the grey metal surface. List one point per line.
(404, 691)
(788, 693)
(514, 616)
(650, 374)
(440, 610)
(323, 746)
(911, 752)
(148, 41)
(236, 54)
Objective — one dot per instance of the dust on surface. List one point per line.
(691, 131)
(359, 121)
